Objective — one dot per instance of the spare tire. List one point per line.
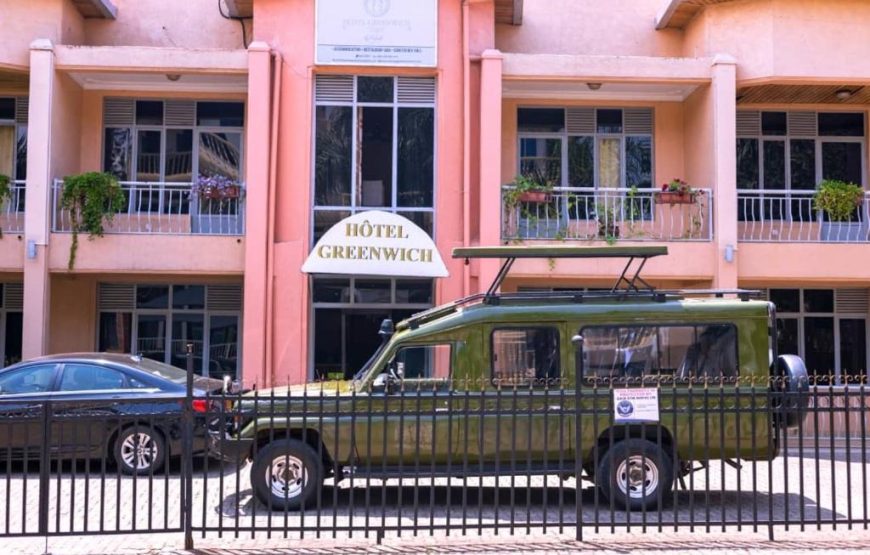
(791, 385)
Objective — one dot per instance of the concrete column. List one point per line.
(490, 159)
(724, 106)
(38, 198)
(257, 140)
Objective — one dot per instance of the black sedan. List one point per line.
(118, 407)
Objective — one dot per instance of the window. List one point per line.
(33, 379)
(525, 356)
(374, 147)
(87, 377)
(13, 148)
(424, 362)
(681, 352)
(11, 331)
(827, 328)
(158, 321)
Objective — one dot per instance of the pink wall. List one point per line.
(25, 21)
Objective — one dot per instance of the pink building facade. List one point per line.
(751, 102)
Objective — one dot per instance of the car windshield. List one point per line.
(160, 369)
(369, 362)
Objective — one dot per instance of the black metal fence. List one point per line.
(434, 457)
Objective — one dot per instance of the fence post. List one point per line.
(577, 340)
(187, 454)
(44, 467)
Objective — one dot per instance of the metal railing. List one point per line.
(589, 214)
(439, 457)
(771, 215)
(12, 211)
(163, 208)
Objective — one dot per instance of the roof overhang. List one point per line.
(676, 14)
(99, 9)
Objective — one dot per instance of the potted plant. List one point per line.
(838, 199)
(528, 188)
(92, 199)
(676, 191)
(216, 187)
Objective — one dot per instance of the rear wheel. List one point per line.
(635, 474)
(139, 450)
(286, 475)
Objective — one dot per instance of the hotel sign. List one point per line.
(377, 32)
(378, 244)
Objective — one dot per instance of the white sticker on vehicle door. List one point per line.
(636, 405)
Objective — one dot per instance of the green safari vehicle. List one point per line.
(632, 387)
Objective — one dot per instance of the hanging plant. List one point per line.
(92, 199)
(838, 199)
(5, 193)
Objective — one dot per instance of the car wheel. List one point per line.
(635, 474)
(286, 475)
(139, 450)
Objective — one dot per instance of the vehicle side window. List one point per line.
(681, 352)
(424, 362)
(33, 379)
(87, 377)
(525, 356)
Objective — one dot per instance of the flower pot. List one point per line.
(533, 196)
(674, 197)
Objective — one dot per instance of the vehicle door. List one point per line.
(23, 393)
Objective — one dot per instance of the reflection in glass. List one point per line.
(118, 152)
(332, 156)
(116, 332)
(178, 166)
(220, 114)
(819, 347)
(13, 337)
(842, 161)
(188, 296)
(148, 156)
(416, 151)
(149, 112)
(541, 160)
(21, 155)
(223, 346)
(774, 177)
(220, 154)
(152, 296)
(375, 156)
(374, 89)
(187, 329)
(550, 120)
(853, 350)
(151, 336)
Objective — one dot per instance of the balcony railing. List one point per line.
(12, 211)
(164, 208)
(589, 214)
(789, 216)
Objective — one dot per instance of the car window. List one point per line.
(424, 362)
(33, 379)
(525, 356)
(88, 377)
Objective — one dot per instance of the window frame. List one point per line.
(450, 344)
(532, 383)
(17, 126)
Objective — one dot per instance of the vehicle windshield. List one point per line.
(362, 371)
(159, 369)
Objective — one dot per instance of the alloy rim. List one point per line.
(139, 451)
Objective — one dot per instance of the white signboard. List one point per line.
(636, 405)
(378, 244)
(377, 32)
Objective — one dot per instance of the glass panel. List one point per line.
(372, 291)
(424, 362)
(819, 348)
(152, 296)
(841, 124)
(7, 108)
(416, 156)
(749, 207)
(712, 355)
(178, 163)
(774, 178)
(332, 156)
(7, 150)
(803, 177)
(151, 336)
(609, 170)
(220, 114)
(609, 121)
(148, 156)
(220, 154)
(325, 219)
(374, 89)
(187, 328)
(525, 356)
(149, 112)
(328, 344)
(581, 165)
(818, 300)
(14, 337)
(787, 336)
(116, 332)
(375, 156)
(773, 123)
(638, 162)
(853, 350)
(786, 300)
(21, 156)
(188, 296)
(87, 377)
(34, 379)
(331, 290)
(541, 159)
(223, 346)
(550, 120)
(842, 161)
(413, 291)
(422, 219)
(118, 152)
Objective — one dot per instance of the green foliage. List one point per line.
(838, 199)
(5, 192)
(92, 199)
(524, 184)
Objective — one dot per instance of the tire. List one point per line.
(139, 450)
(287, 475)
(622, 479)
(791, 385)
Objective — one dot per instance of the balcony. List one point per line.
(12, 211)
(163, 209)
(788, 216)
(590, 214)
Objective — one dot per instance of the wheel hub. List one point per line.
(286, 476)
(637, 476)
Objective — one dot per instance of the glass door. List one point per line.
(219, 153)
(844, 161)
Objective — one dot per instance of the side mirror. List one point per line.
(577, 340)
(228, 384)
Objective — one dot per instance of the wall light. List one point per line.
(593, 86)
(173, 76)
(843, 94)
(31, 249)
(729, 252)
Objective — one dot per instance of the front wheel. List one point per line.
(286, 475)
(139, 450)
(636, 474)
